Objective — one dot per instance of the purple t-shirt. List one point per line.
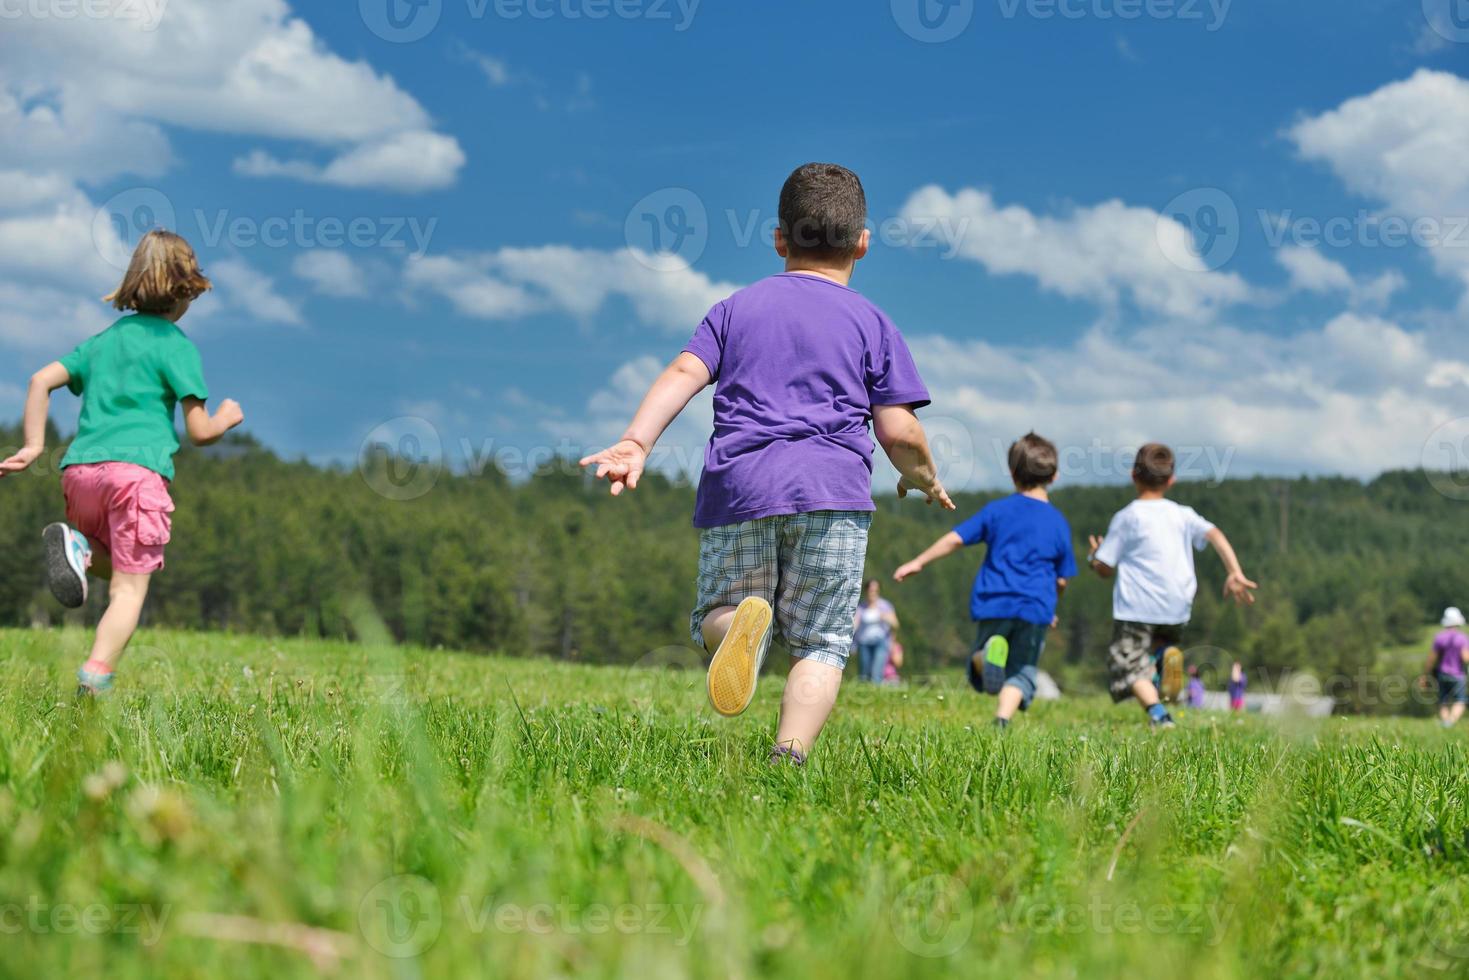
(1451, 646)
(797, 362)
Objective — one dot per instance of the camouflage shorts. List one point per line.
(1133, 655)
(808, 566)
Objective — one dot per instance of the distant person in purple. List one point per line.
(1195, 689)
(1236, 687)
(1446, 664)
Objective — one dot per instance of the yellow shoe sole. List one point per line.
(1172, 674)
(736, 664)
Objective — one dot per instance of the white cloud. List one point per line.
(47, 320)
(664, 291)
(1102, 253)
(1405, 146)
(1357, 396)
(253, 293)
(74, 91)
(1312, 272)
(410, 162)
(60, 242)
(331, 272)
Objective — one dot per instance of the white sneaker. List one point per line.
(67, 557)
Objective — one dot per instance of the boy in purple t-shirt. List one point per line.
(1446, 664)
(801, 365)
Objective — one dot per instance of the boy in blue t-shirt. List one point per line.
(1023, 575)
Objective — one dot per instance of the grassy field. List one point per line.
(246, 807)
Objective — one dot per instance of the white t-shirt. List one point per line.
(1151, 543)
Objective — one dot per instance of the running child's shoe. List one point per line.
(736, 665)
(93, 681)
(1172, 671)
(67, 557)
(989, 663)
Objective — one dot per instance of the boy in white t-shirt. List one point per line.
(1149, 546)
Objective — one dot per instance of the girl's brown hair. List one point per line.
(163, 271)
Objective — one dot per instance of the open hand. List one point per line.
(621, 465)
(931, 493)
(1095, 541)
(1240, 589)
(906, 569)
(20, 461)
(229, 414)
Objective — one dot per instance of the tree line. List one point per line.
(552, 566)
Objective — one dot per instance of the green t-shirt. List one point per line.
(131, 376)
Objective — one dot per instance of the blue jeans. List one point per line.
(872, 659)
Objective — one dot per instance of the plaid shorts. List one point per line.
(808, 566)
(1132, 656)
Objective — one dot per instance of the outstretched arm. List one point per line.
(902, 437)
(942, 548)
(622, 464)
(1100, 567)
(38, 406)
(205, 430)
(1236, 586)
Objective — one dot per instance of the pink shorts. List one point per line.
(123, 509)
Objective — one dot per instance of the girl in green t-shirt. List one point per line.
(131, 377)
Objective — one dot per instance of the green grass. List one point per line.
(395, 813)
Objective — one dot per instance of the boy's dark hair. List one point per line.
(1032, 461)
(823, 212)
(1153, 467)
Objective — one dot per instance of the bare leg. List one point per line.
(1145, 692)
(1010, 698)
(124, 605)
(716, 624)
(810, 694)
(1456, 711)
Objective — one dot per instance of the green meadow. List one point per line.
(252, 807)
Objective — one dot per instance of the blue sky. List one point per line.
(1032, 173)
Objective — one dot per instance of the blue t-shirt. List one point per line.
(1029, 549)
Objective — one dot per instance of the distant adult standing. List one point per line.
(877, 621)
(1446, 664)
(1236, 687)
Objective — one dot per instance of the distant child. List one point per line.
(801, 365)
(116, 474)
(890, 675)
(1237, 684)
(1195, 699)
(1446, 665)
(1025, 570)
(1149, 547)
